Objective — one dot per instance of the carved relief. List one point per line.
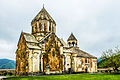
(52, 55)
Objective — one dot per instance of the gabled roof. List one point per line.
(71, 37)
(29, 37)
(31, 42)
(81, 53)
(43, 14)
(32, 46)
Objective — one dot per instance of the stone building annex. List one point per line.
(43, 51)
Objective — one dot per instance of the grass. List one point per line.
(71, 77)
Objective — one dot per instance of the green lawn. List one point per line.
(71, 77)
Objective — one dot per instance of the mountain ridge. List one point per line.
(7, 64)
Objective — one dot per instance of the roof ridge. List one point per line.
(45, 37)
(29, 37)
(87, 54)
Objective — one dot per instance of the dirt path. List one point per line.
(1, 77)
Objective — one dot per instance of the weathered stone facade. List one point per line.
(43, 52)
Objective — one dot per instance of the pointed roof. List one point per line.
(43, 14)
(30, 41)
(71, 37)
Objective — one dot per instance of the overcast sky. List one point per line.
(95, 23)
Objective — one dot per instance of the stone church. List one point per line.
(42, 51)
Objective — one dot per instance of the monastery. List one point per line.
(42, 51)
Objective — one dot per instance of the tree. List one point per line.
(111, 58)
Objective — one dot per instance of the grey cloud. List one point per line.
(95, 23)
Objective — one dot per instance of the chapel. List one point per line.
(42, 51)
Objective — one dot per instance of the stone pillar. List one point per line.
(71, 63)
(42, 25)
(37, 27)
(54, 28)
(48, 24)
(43, 63)
(51, 26)
(64, 63)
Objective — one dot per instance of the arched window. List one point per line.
(36, 26)
(40, 26)
(69, 43)
(53, 53)
(73, 43)
(85, 60)
(48, 25)
(33, 29)
(45, 27)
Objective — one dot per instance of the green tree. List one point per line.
(111, 58)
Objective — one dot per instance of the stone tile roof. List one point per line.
(32, 46)
(29, 37)
(71, 37)
(63, 42)
(43, 14)
(31, 41)
(81, 53)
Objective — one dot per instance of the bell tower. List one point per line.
(42, 24)
(72, 41)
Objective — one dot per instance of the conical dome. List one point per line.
(43, 15)
(42, 24)
(72, 37)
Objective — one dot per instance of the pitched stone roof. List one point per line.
(31, 42)
(32, 46)
(29, 37)
(43, 14)
(63, 42)
(81, 53)
(71, 37)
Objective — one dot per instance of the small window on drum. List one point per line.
(85, 60)
(36, 26)
(73, 43)
(69, 43)
(53, 54)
